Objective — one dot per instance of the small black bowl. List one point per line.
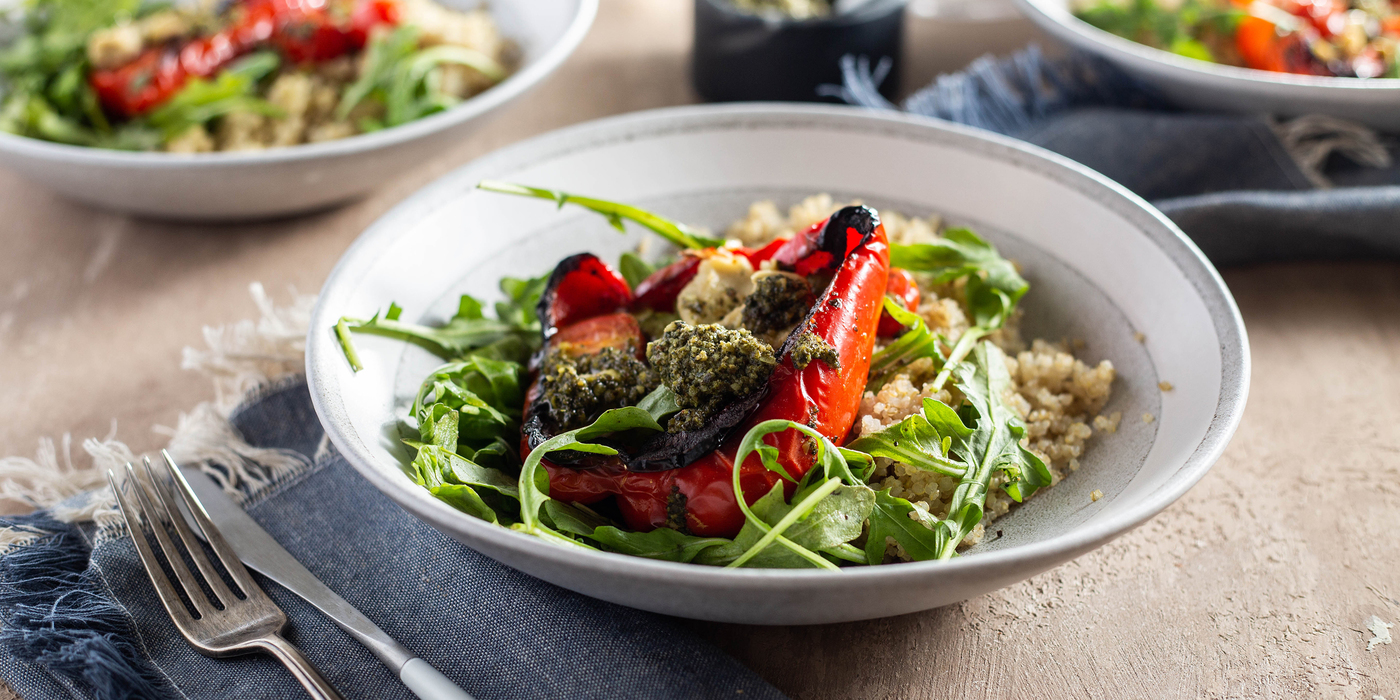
(740, 56)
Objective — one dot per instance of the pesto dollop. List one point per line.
(777, 303)
(708, 366)
(809, 347)
(578, 388)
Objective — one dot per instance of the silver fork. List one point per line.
(234, 624)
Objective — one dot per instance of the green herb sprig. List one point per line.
(673, 231)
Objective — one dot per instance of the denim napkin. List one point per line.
(1244, 188)
(81, 620)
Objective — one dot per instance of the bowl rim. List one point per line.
(324, 361)
(1060, 21)
(513, 86)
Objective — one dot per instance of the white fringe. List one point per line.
(240, 358)
(205, 435)
(247, 354)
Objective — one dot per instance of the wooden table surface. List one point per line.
(1258, 583)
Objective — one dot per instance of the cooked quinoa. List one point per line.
(1059, 396)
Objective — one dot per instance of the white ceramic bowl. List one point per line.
(248, 185)
(1102, 263)
(1211, 86)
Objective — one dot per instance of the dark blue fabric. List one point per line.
(495, 631)
(1226, 180)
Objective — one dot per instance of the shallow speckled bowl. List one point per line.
(1102, 263)
(280, 181)
(1212, 86)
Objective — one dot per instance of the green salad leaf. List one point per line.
(662, 543)
(913, 528)
(634, 269)
(511, 336)
(233, 90)
(917, 342)
(921, 440)
(396, 76)
(992, 288)
(994, 445)
(832, 516)
(673, 231)
(484, 492)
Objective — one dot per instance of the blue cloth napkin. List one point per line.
(1235, 184)
(81, 620)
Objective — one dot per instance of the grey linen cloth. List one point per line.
(81, 620)
(1244, 188)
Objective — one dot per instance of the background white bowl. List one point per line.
(1102, 263)
(258, 184)
(1211, 86)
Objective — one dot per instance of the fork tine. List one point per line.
(165, 589)
(216, 541)
(168, 511)
(172, 554)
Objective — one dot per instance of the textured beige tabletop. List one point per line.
(1258, 583)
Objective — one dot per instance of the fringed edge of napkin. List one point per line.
(56, 613)
(1006, 95)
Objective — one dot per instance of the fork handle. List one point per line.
(296, 662)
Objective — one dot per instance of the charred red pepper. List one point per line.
(906, 291)
(581, 287)
(660, 289)
(698, 497)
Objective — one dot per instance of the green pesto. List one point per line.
(675, 510)
(809, 347)
(708, 366)
(777, 303)
(579, 388)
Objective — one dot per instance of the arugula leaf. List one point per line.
(994, 445)
(473, 383)
(513, 335)
(634, 269)
(915, 343)
(920, 440)
(890, 517)
(662, 543)
(396, 75)
(673, 231)
(660, 403)
(769, 520)
(835, 519)
(474, 489)
(202, 100)
(961, 253)
(993, 287)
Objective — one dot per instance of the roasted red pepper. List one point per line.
(581, 287)
(660, 289)
(142, 84)
(904, 289)
(699, 497)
